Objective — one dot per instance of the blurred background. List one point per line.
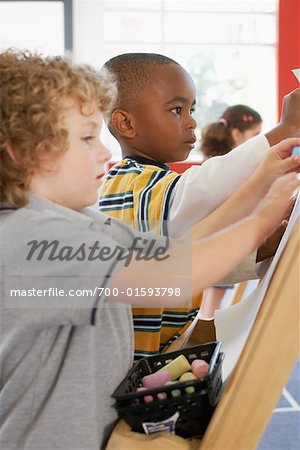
(229, 47)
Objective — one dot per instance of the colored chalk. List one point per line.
(176, 367)
(187, 377)
(296, 151)
(199, 367)
(156, 379)
(147, 398)
(162, 395)
(174, 392)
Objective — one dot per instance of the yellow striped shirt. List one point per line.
(138, 191)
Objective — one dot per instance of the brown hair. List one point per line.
(216, 138)
(33, 93)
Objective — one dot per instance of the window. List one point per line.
(45, 26)
(229, 47)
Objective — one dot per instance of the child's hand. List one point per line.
(273, 208)
(269, 247)
(290, 116)
(292, 203)
(278, 161)
(284, 149)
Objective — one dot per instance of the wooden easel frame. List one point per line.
(261, 373)
(265, 364)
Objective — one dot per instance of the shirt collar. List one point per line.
(147, 161)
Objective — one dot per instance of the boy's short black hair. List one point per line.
(133, 73)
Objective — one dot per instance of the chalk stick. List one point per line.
(174, 392)
(187, 376)
(147, 398)
(156, 379)
(176, 367)
(296, 150)
(199, 367)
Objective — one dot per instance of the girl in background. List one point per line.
(237, 124)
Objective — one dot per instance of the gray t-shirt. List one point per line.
(61, 357)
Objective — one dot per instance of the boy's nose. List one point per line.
(192, 123)
(104, 155)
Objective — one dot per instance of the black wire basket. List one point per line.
(187, 414)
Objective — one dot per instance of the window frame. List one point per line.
(68, 21)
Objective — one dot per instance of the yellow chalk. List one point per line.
(187, 377)
(177, 367)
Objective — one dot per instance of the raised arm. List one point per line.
(289, 124)
(216, 179)
(212, 257)
(201, 189)
(277, 162)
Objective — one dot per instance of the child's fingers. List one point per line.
(272, 208)
(284, 148)
(284, 224)
(292, 202)
(290, 164)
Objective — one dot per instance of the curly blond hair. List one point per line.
(33, 94)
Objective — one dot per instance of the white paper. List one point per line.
(234, 323)
(296, 72)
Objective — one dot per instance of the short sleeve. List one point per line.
(56, 266)
(56, 271)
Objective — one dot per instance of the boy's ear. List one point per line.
(10, 152)
(123, 123)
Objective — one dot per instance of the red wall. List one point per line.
(288, 55)
(179, 167)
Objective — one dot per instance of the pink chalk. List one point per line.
(162, 395)
(156, 379)
(199, 367)
(147, 398)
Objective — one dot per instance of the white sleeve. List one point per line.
(201, 189)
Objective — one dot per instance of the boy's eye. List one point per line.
(192, 110)
(88, 138)
(177, 110)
